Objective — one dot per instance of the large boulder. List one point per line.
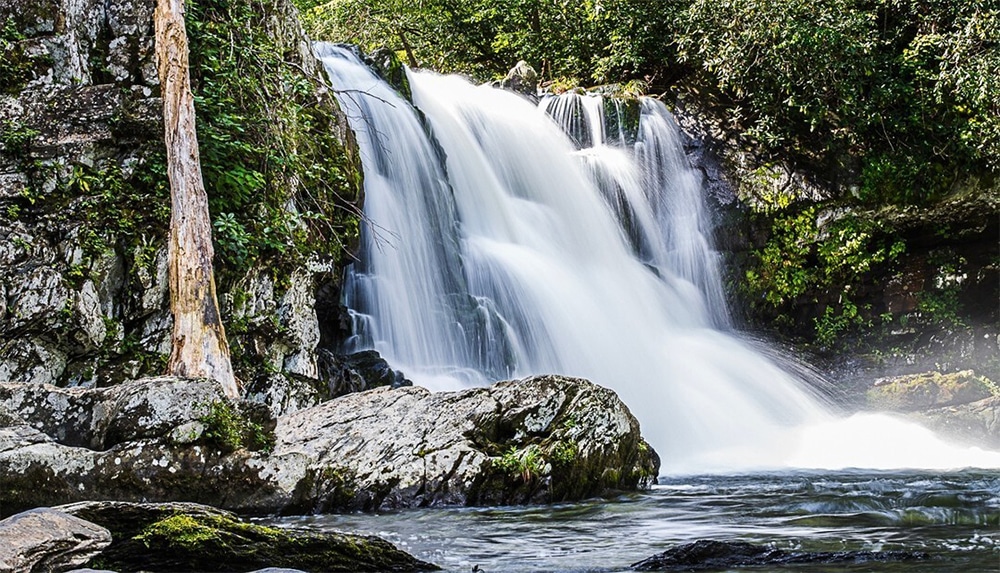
(191, 537)
(541, 439)
(100, 418)
(48, 540)
(158, 438)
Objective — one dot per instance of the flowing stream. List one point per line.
(953, 517)
(505, 239)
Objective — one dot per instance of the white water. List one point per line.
(522, 254)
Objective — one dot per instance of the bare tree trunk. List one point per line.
(199, 347)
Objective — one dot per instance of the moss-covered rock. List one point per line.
(929, 390)
(188, 537)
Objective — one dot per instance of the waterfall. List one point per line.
(503, 239)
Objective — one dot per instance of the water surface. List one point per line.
(955, 517)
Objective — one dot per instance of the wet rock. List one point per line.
(926, 390)
(976, 423)
(541, 439)
(48, 540)
(523, 79)
(189, 537)
(705, 555)
(358, 371)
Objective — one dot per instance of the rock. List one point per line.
(358, 371)
(523, 79)
(101, 418)
(704, 555)
(928, 390)
(162, 438)
(976, 422)
(189, 537)
(48, 540)
(541, 439)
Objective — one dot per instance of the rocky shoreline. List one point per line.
(537, 440)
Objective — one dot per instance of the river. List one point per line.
(953, 516)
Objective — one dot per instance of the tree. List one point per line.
(199, 346)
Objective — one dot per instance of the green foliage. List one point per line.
(908, 88)
(275, 168)
(603, 40)
(805, 258)
(564, 453)
(229, 429)
(15, 138)
(15, 65)
(526, 465)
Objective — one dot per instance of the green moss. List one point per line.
(228, 429)
(220, 543)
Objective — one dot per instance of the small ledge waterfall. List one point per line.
(524, 240)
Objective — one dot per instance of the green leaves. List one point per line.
(909, 88)
(273, 164)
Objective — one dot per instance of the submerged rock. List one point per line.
(190, 537)
(48, 540)
(705, 554)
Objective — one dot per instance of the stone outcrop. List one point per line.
(975, 423)
(191, 537)
(927, 390)
(541, 439)
(48, 540)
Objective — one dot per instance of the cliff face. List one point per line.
(84, 196)
(868, 291)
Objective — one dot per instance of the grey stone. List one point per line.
(523, 79)
(101, 418)
(48, 540)
(408, 447)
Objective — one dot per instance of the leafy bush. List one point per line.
(280, 184)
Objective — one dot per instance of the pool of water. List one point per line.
(955, 517)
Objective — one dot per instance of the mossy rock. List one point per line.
(929, 390)
(216, 541)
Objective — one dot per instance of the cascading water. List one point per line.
(503, 247)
